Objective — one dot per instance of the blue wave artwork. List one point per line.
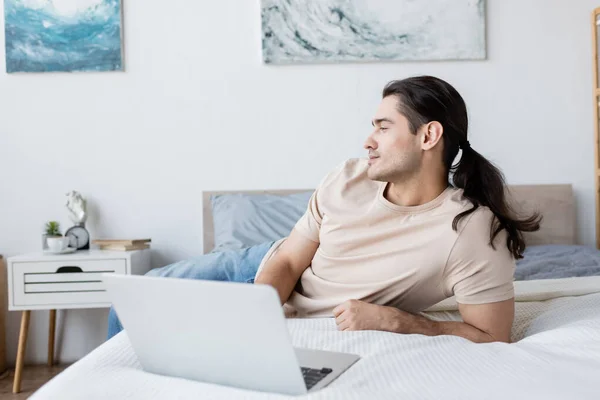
(305, 31)
(63, 35)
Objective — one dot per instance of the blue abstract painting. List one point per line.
(63, 35)
(304, 31)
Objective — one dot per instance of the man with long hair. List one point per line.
(388, 236)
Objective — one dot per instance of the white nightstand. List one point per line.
(50, 282)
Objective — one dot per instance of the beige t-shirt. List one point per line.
(408, 257)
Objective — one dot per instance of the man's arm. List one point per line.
(284, 269)
(483, 323)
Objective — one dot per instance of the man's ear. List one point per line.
(432, 135)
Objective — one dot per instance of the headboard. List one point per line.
(555, 202)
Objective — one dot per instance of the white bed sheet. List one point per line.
(555, 354)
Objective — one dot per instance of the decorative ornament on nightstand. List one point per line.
(51, 229)
(78, 235)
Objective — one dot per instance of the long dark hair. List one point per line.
(423, 99)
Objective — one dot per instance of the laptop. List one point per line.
(232, 334)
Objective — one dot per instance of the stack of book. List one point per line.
(122, 244)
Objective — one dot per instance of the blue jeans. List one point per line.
(231, 265)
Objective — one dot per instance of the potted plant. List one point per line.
(52, 229)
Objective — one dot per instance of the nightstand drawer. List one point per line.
(62, 282)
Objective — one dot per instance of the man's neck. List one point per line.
(413, 192)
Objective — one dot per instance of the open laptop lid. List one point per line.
(220, 332)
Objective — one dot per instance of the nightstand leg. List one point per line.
(51, 333)
(21, 350)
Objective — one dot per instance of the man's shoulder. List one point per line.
(352, 169)
(353, 166)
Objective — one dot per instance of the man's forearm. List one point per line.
(415, 324)
(280, 275)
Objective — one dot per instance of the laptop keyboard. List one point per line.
(312, 376)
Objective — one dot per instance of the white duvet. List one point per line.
(555, 354)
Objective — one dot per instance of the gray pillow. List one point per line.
(558, 261)
(244, 220)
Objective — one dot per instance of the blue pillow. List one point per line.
(244, 220)
(558, 261)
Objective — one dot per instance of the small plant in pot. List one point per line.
(52, 229)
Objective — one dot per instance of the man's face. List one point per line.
(394, 152)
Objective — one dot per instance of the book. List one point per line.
(127, 242)
(124, 247)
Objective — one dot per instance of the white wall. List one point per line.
(196, 110)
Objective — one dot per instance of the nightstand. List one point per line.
(49, 282)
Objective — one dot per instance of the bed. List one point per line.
(554, 354)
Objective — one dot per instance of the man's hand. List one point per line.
(356, 315)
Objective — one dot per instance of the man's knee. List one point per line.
(155, 272)
(208, 267)
(229, 265)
